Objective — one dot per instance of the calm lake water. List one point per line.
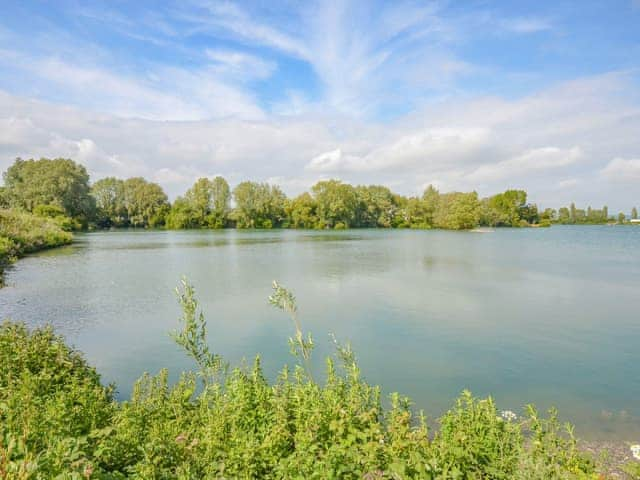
(550, 316)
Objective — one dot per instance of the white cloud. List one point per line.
(428, 147)
(537, 159)
(624, 170)
(540, 142)
(328, 161)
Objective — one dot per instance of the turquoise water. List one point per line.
(550, 316)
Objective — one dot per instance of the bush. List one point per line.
(51, 404)
(22, 233)
(57, 421)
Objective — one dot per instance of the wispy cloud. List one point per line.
(163, 93)
(526, 24)
(358, 62)
(239, 65)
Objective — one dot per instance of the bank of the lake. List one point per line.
(22, 233)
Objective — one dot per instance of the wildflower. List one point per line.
(88, 471)
(508, 415)
(181, 438)
(635, 451)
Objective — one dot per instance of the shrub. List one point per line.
(52, 404)
(22, 233)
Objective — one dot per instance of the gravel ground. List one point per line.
(611, 456)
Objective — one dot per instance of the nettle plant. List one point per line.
(219, 422)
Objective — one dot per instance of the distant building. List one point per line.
(635, 220)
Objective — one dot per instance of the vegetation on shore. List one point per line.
(58, 421)
(63, 185)
(22, 233)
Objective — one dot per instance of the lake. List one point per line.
(549, 316)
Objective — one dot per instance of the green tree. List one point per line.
(60, 182)
(430, 200)
(413, 215)
(634, 213)
(564, 215)
(301, 212)
(508, 209)
(145, 202)
(621, 217)
(258, 205)
(220, 201)
(181, 215)
(110, 204)
(337, 204)
(204, 205)
(548, 214)
(572, 213)
(376, 206)
(209, 201)
(199, 198)
(457, 211)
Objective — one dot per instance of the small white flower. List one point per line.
(635, 451)
(508, 415)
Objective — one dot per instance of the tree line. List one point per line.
(60, 188)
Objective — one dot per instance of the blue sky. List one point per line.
(466, 95)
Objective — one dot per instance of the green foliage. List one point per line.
(302, 212)
(553, 451)
(109, 195)
(58, 421)
(60, 182)
(52, 406)
(133, 202)
(284, 300)
(145, 202)
(504, 209)
(377, 206)
(181, 216)
(205, 205)
(457, 211)
(58, 189)
(632, 469)
(474, 442)
(193, 336)
(337, 203)
(56, 213)
(22, 233)
(577, 216)
(258, 205)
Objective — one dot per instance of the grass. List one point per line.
(217, 422)
(22, 233)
